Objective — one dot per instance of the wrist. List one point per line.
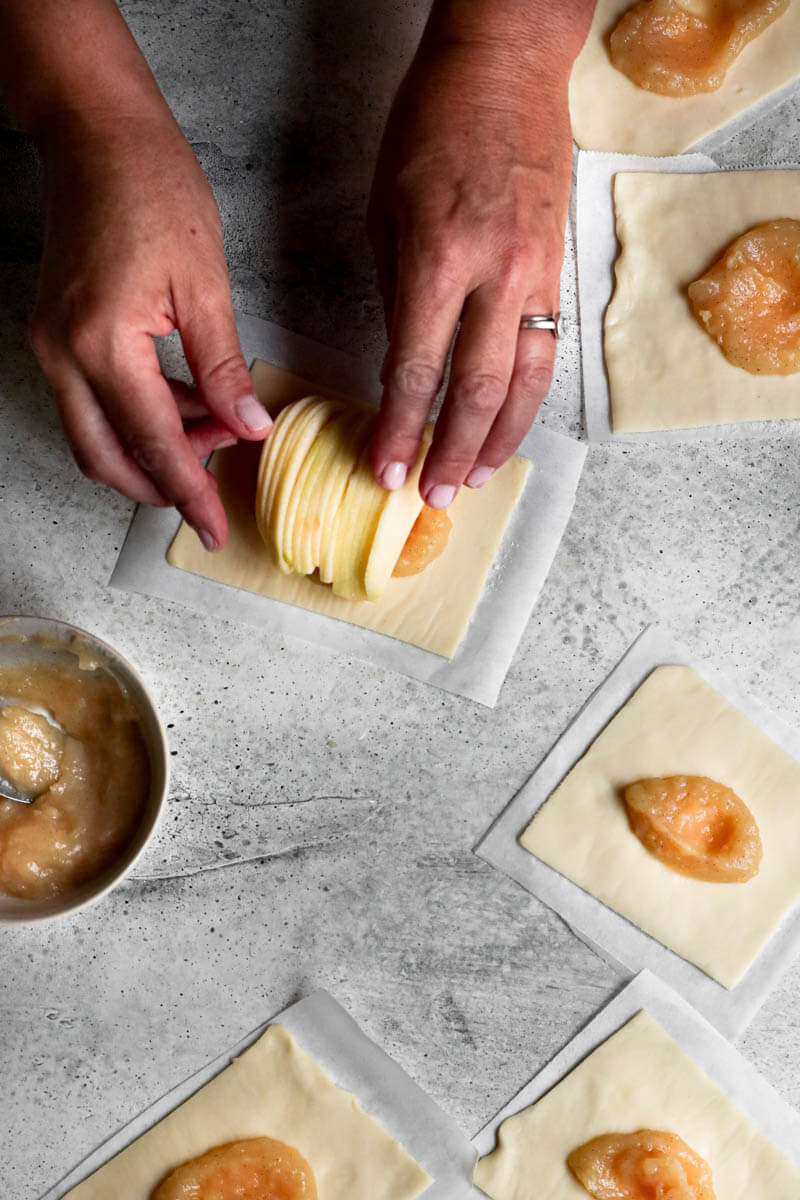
(63, 128)
(492, 74)
(71, 67)
(527, 34)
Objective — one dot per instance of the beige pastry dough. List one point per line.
(275, 1090)
(675, 723)
(664, 370)
(639, 1078)
(609, 112)
(431, 610)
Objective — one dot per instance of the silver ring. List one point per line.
(554, 324)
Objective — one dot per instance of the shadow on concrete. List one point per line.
(349, 67)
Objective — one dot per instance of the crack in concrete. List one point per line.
(190, 871)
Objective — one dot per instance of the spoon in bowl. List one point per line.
(8, 791)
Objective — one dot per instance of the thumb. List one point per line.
(211, 345)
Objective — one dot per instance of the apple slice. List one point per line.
(300, 518)
(395, 522)
(317, 468)
(285, 472)
(269, 463)
(288, 492)
(331, 502)
(358, 518)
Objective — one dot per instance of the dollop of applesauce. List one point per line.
(682, 47)
(426, 541)
(31, 749)
(91, 781)
(650, 1164)
(252, 1169)
(695, 826)
(749, 300)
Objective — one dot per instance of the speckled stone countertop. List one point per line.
(322, 813)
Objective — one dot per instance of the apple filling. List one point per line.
(682, 47)
(749, 300)
(425, 543)
(318, 507)
(647, 1165)
(90, 782)
(31, 750)
(253, 1169)
(696, 827)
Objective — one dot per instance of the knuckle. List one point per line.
(202, 301)
(152, 452)
(401, 447)
(86, 339)
(533, 378)
(516, 267)
(479, 393)
(416, 379)
(225, 370)
(445, 256)
(450, 467)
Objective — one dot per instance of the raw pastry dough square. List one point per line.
(611, 113)
(432, 610)
(676, 724)
(664, 370)
(275, 1090)
(639, 1078)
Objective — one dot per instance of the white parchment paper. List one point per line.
(756, 112)
(597, 249)
(730, 1010)
(723, 1065)
(326, 1032)
(481, 662)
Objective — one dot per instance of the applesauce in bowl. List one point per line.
(99, 780)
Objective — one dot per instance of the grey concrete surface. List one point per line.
(322, 812)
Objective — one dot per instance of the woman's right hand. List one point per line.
(133, 250)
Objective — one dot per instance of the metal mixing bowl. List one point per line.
(37, 640)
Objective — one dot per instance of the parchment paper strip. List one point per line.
(601, 928)
(480, 665)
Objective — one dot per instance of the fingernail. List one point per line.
(224, 445)
(253, 414)
(393, 476)
(441, 496)
(206, 538)
(478, 476)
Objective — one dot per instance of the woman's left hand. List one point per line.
(467, 219)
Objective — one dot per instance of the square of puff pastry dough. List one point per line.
(431, 610)
(272, 1090)
(664, 370)
(638, 1079)
(677, 724)
(610, 112)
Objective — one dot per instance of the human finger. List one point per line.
(190, 404)
(138, 402)
(426, 310)
(96, 448)
(481, 368)
(206, 436)
(222, 380)
(530, 382)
